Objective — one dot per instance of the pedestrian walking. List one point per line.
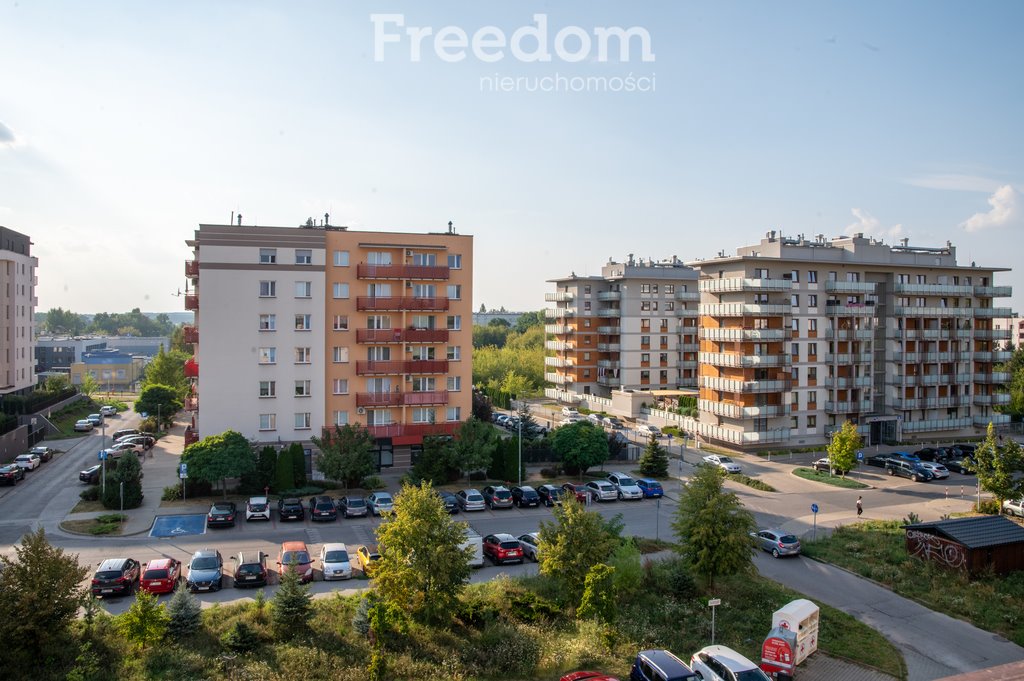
(860, 506)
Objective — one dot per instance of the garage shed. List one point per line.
(971, 544)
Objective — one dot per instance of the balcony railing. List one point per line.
(425, 335)
(421, 272)
(862, 287)
(847, 407)
(993, 356)
(932, 402)
(850, 334)
(558, 361)
(190, 334)
(417, 398)
(426, 366)
(724, 359)
(930, 379)
(936, 425)
(558, 296)
(609, 312)
(559, 312)
(608, 363)
(605, 296)
(735, 334)
(992, 312)
(687, 312)
(993, 334)
(844, 382)
(742, 437)
(381, 399)
(559, 329)
(732, 385)
(609, 330)
(394, 430)
(734, 284)
(411, 366)
(609, 347)
(743, 309)
(992, 399)
(191, 301)
(560, 346)
(691, 296)
(993, 291)
(365, 303)
(390, 336)
(610, 381)
(737, 411)
(191, 368)
(931, 357)
(996, 377)
(932, 312)
(933, 289)
(558, 379)
(981, 421)
(850, 310)
(848, 358)
(192, 268)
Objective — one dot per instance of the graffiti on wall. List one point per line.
(936, 549)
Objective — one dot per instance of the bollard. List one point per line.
(961, 491)
(947, 491)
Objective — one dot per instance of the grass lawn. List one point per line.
(751, 482)
(875, 549)
(110, 523)
(87, 506)
(65, 419)
(822, 476)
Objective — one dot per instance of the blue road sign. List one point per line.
(814, 508)
(143, 414)
(102, 454)
(860, 456)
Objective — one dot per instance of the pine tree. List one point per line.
(284, 478)
(298, 464)
(183, 612)
(654, 460)
(292, 607)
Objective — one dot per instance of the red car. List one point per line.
(161, 576)
(588, 676)
(503, 548)
(579, 490)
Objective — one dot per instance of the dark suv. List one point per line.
(525, 496)
(290, 509)
(250, 569)
(116, 576)
(908, 469)
(322, 508)
(660, 665)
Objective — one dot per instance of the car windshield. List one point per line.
(204, 563)
(258, 507)
(109, 574)
(300, 557)
(789, 539)
(383, 500)
(155, 574)
(502, 493)
(627, 482)
(336, 557)
(724, 459)
(325, 504)
(510, 545)
(291, 502)
(654, 485)
(752, 675)
(23, 457)
(222, 509)
(474, 497)
(529, 493)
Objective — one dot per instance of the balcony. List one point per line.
(993, 334)
(996, 377)
(845, 382)
(862, 287)
(850, 334)
(731, 385)
(690, 296)
(395, 303)
(993, 356)
(558, 379)
(192, 302)
(191, 368)
(723, 359)
(381, 399)
(609, 347)
(558, 362)
(558, 329)
(190, 334)
(737, 411)
(421, 397)
(559, 312)
(993, 291)
(192, 268)
(992, 312)
(558, 297)
(609, 330)
(609, 312)
(426, 366)
(391, 336)
(993, 399)
(395, 366)
(857, 310)
(425, 335)
(936, 425)
(735, 334)
(847, 407)
(419, 272)
(933, 289)
(930, 379)
(932, 402)
(610, 381)
(742, 437)
(848, 358)
(689, 347)
(994, 419)
(560, 346)
(608, 363)
(930, 357)
(394, 430)
(606, 296)
(687, 312)
(736, 284)
(932, 312)
(743, 309)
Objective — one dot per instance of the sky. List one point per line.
(124, 125)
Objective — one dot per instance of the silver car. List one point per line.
(625, 485)
(602, 490)
(777, 542)
(723, 462)
(335, 562)
(470, 500)
(380, 502)
(529, 543)
(939, 472)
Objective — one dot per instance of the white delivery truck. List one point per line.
(475, 542)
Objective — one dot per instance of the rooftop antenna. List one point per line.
(451, 228)
(239, 219)
(327, 219)
(232, 221)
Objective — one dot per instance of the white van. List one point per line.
(475, 542)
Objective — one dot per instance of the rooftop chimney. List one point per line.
(239, 219)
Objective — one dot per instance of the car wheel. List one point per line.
(619, 496)
(775, 553)
(892, 472)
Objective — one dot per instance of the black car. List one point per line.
(290, 509)
(879, 460)
(927, 454)
(909, 469)
(964, 449)
(250, 569)
(45, 453)
(959, 466)
(450, 501)
(221, 514)
(322, 508)
(116, 576)
(549, 495)
(525, 496)
(11, 474)
(92, 474)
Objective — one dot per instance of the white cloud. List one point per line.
(1004, 211)
(869, 225)
(954, 181)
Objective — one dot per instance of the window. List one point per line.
(795, 276)
(455, 291)
(339, 355)
(303, 322)
(812, 300)
(795, 351)
(303, 289)
(424, 259)
(268, 388)
(303, 256)
(794, 300)
(922, 279)
(268, 421)
(379, 258)
(423, 415)
(670, 305)
(812, 398)
(454, 353)
(453, 414)
(340, 418)
(645, 324)
(423, 384)
(302, 355)
(645, 288)
(586, 290)
(654, 288)
(454, 383)
(302, 420)
(645, 358)
(812, 349)
(422, 352)
(812, 276)
(832, 276)
(663, 359)
(340, 290)
(586, 322)
(663, 376)
(455, 261)
(268, 355)
(812, 325)
(645, 376)
(341, 258)
(268, 256)
(670, 288)
(795, 326)
(586, 305)
(812, 421)
(268, 289)
(303, 389)
(340, 386)
(454, 322)
(268, 322)
(645, 340)
(341, 322)
(645, 306)
(812, 375)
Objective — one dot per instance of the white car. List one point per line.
(107, 410)
(575, 418)
(83, 425)
(602, 490)
(335, 562)
(723, 462)
(625, 485)
(648, 430)
(939, 472)
(1014, 507)
(29, 462)
(569, 411)
(718, 663)
(257, 508)
(612, 422)
(380, 502)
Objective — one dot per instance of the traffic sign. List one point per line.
(183, 471)
(714, 601)
(102, 454)
(143, 414)
(814, 508)
(860, 456)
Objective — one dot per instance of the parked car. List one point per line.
(352, 507)
(257, 508)
(83, 425)
(625, 486)
(660, 665)
(124, 446)
(501, 420)
(448, 500)
(221, 514)
(205, 571)
(908, 469)
(595, 419)
(95, 419)
(570, 411)
(322, 508)
(525, 496)
(612, 422)
(965, 449)
(906, 456)
(12, 473)
(290, 508)
(777, 542)
(1014, 507)
(571, 489)
(335, 562)
(294, 557)
(44, 453)
(503, 548)
(115, 577)
(723, 462)
(497, 497)
(160, 576)
(602, 490)
(961, 466)
(250, 569)
(878, 460)
(108, 410)
(648, 430)
(927, 454)
(587, 676)
(938, 471)
(145, 441)
(380, 502)
(368, 557)
(652, 489)
(29, 462)
(550, 495)
(718, 663)
(91, 474)
(823, 464)
(470, 500)
(529, 542)
(124, 432)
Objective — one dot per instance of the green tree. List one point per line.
(129, 472)
(218, 457)
(504, 460)
(262, 476)
(56, 383)
(474, 445)
(284, 478)
(599, 598)
(292, 607)
(346, 454)
(482, 407)
(40, 592)
(712, 527)
(423, 566)
(434, 464)
(580, 446)
(168, 369)
(88, 386)
(178, 340)
(298, 457)
(64, 322)
(629, 573)
(572, 543)
(240, 638)
(145, 622)
(490, 335)
(159, 399)
(529, 320)
(998, 469)
(842, 448)
(184, 613)
(654, 460)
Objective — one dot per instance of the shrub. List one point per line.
(149, 425)
(550, 472)
(307, 491)
(90, 493)
(508, 651)
(240, 638)
(598, 600)
(987, 506)
(172, 493)
(628, 571)
(526, 606)
(373, 482)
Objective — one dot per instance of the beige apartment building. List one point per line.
(302, 329)
(632, 327)
(17, 326)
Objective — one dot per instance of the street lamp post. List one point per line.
(519, 470)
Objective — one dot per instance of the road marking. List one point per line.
(313, 535)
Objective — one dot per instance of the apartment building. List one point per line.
(632, 327)
(17, 325)
(799, 335)
(301, 329)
